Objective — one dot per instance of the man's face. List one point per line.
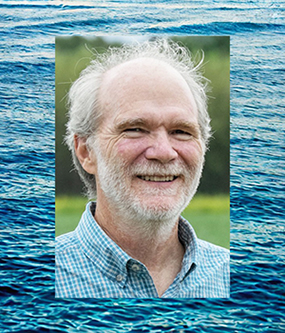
(150, 153)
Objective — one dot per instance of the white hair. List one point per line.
(84, 111)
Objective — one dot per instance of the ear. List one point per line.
(84, 155)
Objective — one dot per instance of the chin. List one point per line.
(157, 210)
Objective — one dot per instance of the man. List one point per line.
(138, 131)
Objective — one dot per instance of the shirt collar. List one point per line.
(109, 258)
(112, 260)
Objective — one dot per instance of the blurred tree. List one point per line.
(74, 53)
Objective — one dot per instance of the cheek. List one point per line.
(130, 150)
(191, 153)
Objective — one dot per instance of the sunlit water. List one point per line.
(27, 165)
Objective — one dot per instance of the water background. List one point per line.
(27, 31)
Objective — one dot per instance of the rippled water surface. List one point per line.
(27, 163)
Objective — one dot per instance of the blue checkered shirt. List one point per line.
(91, 265)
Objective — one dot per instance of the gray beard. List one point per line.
(113, 179)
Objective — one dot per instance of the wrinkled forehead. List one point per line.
(144, 79)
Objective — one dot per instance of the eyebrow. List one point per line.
(136, 122)
(193, 126)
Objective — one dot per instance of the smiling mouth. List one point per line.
(158, 178)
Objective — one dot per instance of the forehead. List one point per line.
(144, 81)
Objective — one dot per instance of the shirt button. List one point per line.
(135, 267)
(119, 277)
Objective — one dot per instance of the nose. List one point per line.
(160, 149)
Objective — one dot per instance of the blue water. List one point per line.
(27, 32)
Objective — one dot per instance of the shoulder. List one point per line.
(210, 247)
(213, 252)
(65, 242)
(212, 274)
(68, 259)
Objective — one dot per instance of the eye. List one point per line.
(182, 135)
(133, 132)
(180, 132)
(136, 130)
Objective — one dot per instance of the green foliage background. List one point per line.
(74, 53)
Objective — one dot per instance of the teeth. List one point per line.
(158, 178)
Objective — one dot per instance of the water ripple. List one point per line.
(27, 166)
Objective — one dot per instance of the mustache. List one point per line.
(176, 168)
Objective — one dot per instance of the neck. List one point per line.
(157, 246)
